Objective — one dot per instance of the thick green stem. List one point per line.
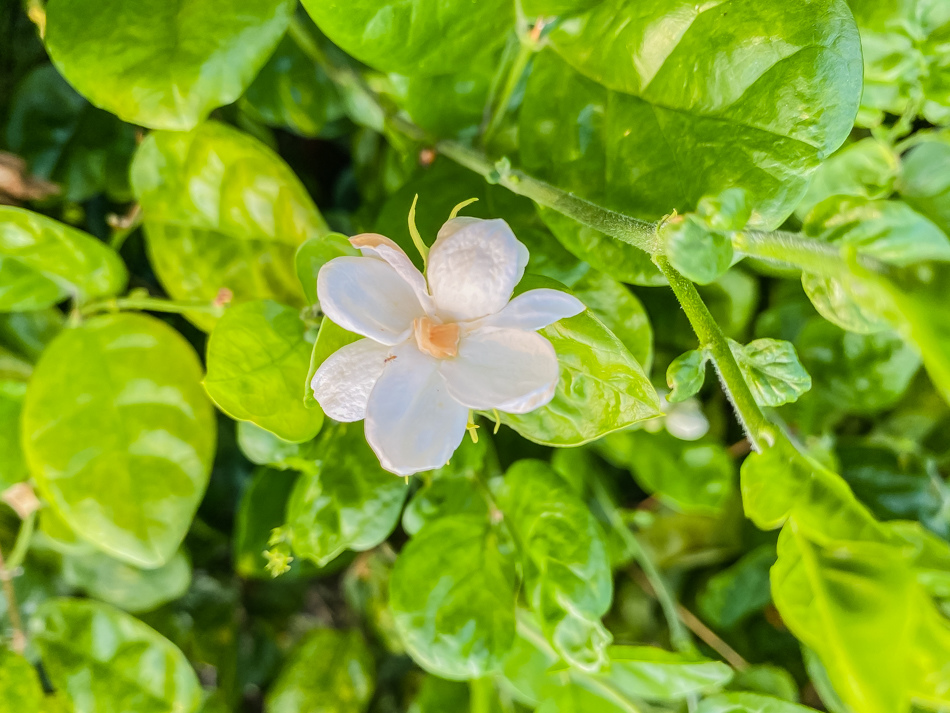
(758, 428)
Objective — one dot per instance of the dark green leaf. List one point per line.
(119, 435)
(925, 182)
(331, 671)
(345, 500)
(160, 65)
(567, 575)
(261, 510)
(867, 168)
(686, 374)
(453, 594)
(258, 357)
(737, 592)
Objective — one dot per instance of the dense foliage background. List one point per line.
(174, 175)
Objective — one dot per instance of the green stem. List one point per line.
(758, 428)
(526, 49)
(679, 634)
(22, 543)
(150, 304)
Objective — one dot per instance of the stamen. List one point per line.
(438, 340)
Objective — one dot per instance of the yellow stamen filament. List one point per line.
(438, 340)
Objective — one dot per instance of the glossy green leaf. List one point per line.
(444, 497)
(331, 671)
(366, 590)
(261, 510)
(861, 373)
(264, 448)
(453, 594)
(419, 36)
(13, 468)
(345, 500)
(748, 703)
(43, 261)
(655, 674)
(694, 476)
(867, 168)
(292, 92)
(767, 680)
(647, 92)
(567, 577)
(66, 140)
(158, 65)
(925, 184)
(686, 374)
(772, 370)
(890, 231)
(618, 308)
(258, 356)
(105, 660)
(737, 592)
(20, 688)
(222, 211)
(313, 254)
(601, 389)
(119, 435)
(130, 588)
(699, 254)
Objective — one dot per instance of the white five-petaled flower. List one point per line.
(436, 347)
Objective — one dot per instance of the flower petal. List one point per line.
(535, 309)
(473, 267)
(412, 424)
(369, 297)
(379, 246)
(506, 369)
(343, 382)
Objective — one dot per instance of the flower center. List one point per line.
(438, 340)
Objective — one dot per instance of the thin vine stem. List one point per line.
(18, 643)
(150, 304)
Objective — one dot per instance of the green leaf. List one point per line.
(749, 703)
(27, 334)
(331, 671)
(767, 679)
(258, 357)
(159, 65)
(437, 695)
(620, 310)
(453, 594)
(567, 576)
(292, 92)
(313, 254)
(637, 84)
(105, 660)
(13, 468)
(260, 511)
(925, 182)
(222, 211)
(601, 389)
(867, 168)
(699, 254)
(735, 593)
(416, 37)
(345, 500)
(66, 140)
(119, 435)
(122, 585)
(264, 448)
(772, 370)
(692, 476)
(20, 688)
(655, 674)
(43, 262)
(330, 338)
(366, 590)
(859, 373)
(905, 60)
(890, 231)
(685, 375)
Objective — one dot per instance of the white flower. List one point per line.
(435, 350)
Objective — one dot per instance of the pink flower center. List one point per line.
(438, 340)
